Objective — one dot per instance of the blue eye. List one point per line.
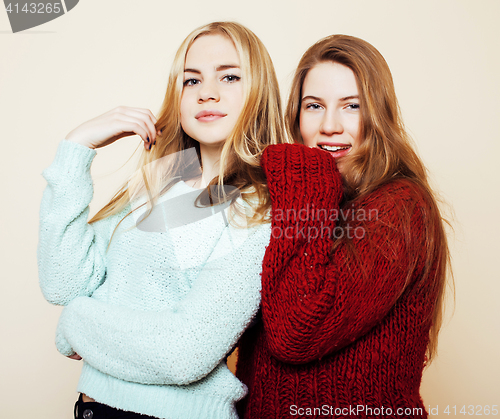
(313, 106)
(191, 82)
(231, 78)
(353, 106)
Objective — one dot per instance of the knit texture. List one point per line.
(340, 332)
(154, 315)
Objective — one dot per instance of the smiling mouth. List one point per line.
(333, 148)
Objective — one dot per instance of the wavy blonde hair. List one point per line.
(386, 152)
(259, 125)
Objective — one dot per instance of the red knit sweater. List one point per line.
(341, 333)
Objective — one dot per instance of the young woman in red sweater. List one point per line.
(354, 276)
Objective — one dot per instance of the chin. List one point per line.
(212, 142)
(340, 166)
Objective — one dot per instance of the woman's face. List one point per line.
(329, 110)
(212, 96)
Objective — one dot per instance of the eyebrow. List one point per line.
(226, 67)
(349, 98)
(222, 67)
(343, 99)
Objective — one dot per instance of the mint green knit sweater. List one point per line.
(154, 315)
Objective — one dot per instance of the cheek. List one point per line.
(232, 103)
(307, 130)
(237, 100)
(356, 132)
(183, 110)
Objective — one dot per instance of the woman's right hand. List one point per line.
(115, 124)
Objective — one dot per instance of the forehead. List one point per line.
(330, 79)
(211, 50)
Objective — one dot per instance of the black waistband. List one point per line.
(95, 410)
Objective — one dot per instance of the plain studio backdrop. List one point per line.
(444, 56)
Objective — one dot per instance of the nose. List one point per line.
(208, 91)
(331, 124)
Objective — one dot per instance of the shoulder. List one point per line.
(401, 205)
(399, 188)
(399, 193)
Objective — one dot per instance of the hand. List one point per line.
(75, 356)
(115, 124)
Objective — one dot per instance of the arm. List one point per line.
(312, 304)
(175, 346)
(71, 252)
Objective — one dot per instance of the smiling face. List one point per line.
(329, 111)
(212, 96)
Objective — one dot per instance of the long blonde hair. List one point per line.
(386, 152)
(259, 125)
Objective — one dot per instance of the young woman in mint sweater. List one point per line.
(161, 283)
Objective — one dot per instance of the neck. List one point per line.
(210, 158)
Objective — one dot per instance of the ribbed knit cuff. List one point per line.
(300, 176)
(163, 401)
(62, 344)
(73, 159)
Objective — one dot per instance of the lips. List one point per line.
(209, 115)
(336, 149)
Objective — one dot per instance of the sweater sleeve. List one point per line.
(174, 346)
(314, 303)
(71, 252)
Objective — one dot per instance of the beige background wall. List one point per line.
(445, 60)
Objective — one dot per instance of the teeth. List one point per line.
(333, 147)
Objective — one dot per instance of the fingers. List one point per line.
(140, 121)
(133, 125)
(148, 113)
(75, 356)
(151, 122)
(115, 124)
(146, 119)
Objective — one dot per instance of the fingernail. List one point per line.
(149, 146)
(148, 139)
